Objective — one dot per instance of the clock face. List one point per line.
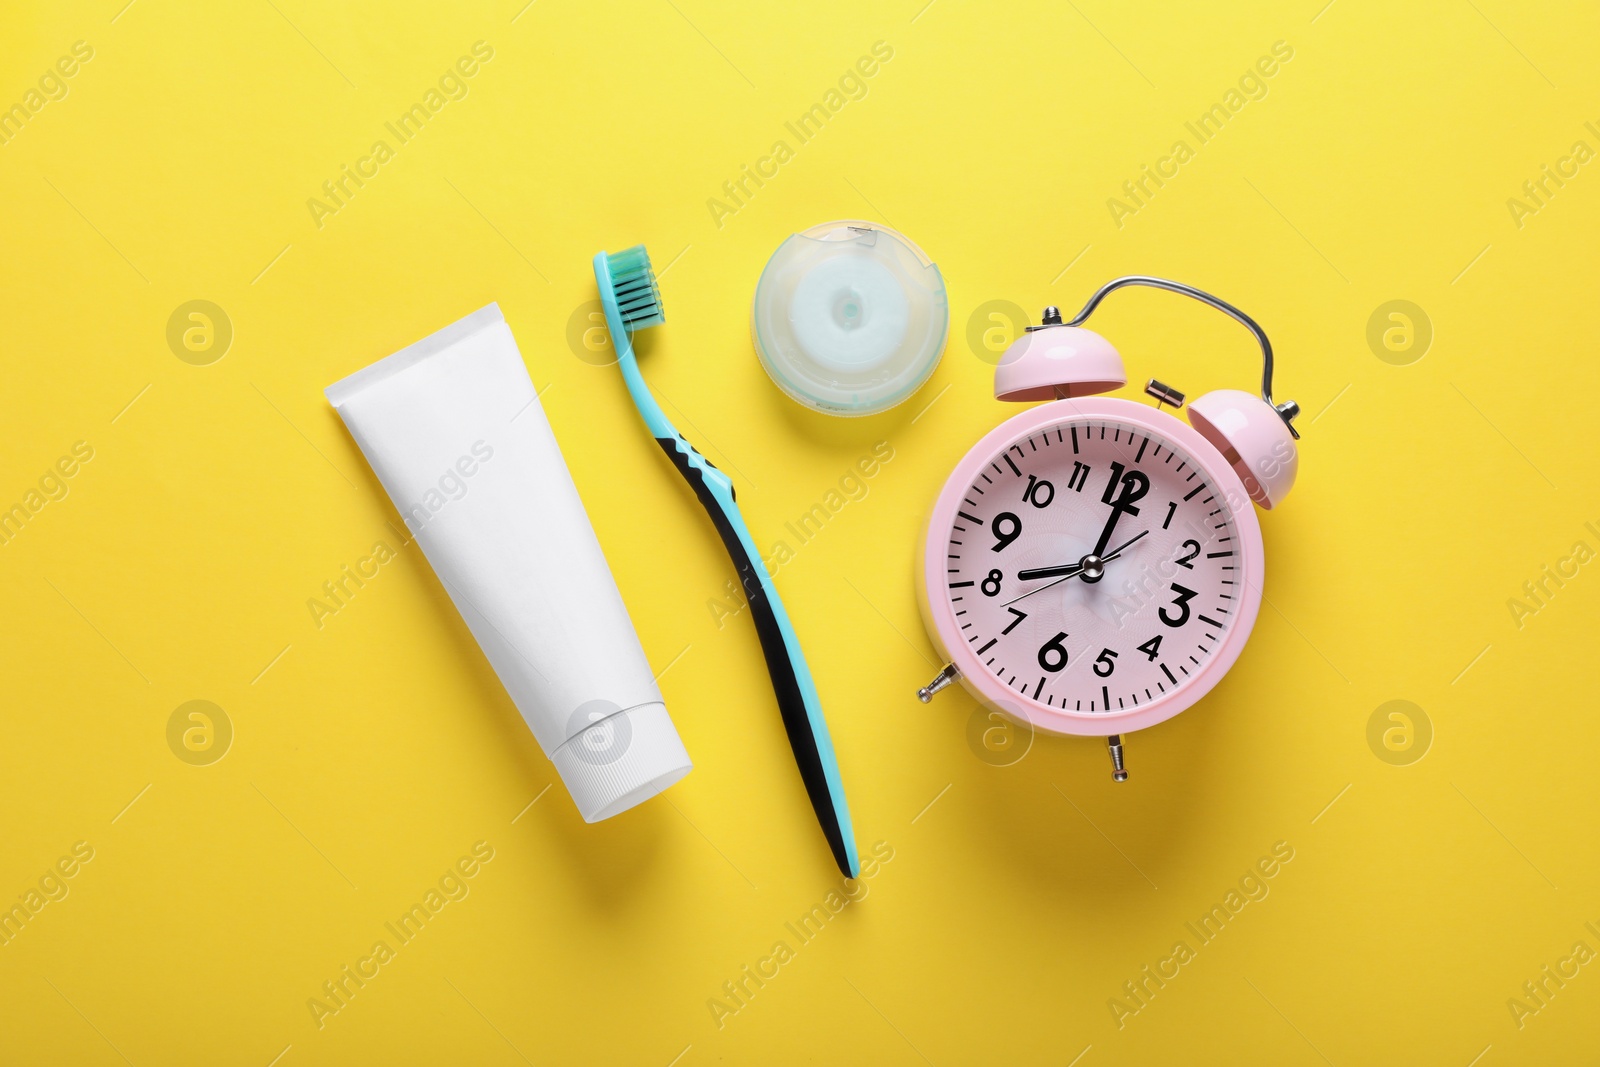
(1094, 565)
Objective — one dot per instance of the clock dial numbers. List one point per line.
(1106, 660)
(1006, 528)
(1053, 654)
(1135, 484)
(1179, 606)
(1114, 611)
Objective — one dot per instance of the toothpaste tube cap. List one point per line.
(620, 759)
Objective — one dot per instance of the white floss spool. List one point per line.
(850, 317)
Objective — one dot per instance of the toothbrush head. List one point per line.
(629, 284)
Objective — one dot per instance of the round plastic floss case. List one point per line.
(850, 317)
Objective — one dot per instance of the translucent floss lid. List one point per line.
(850, 317)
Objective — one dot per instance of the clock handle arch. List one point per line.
(1255, 435)
(1286, 411)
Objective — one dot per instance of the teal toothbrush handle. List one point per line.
(792, 684)
(786, 663)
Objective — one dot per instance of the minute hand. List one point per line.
(1133, 486)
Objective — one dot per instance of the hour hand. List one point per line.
(1064, 570)
(1067, 570)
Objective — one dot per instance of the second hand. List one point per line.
(1108, 557)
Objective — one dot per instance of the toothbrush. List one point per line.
(632, 302)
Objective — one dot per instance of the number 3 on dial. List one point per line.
(1181, 603)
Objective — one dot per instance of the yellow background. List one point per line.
(369, 754)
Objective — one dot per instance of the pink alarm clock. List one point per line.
(1093, 566)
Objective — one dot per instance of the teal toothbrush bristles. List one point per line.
(633, 285)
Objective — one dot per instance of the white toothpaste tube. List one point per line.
(453, 429)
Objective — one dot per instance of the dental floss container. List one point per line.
(850, 317)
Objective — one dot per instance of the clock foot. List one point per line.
(942, 679)
(1119, 773)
